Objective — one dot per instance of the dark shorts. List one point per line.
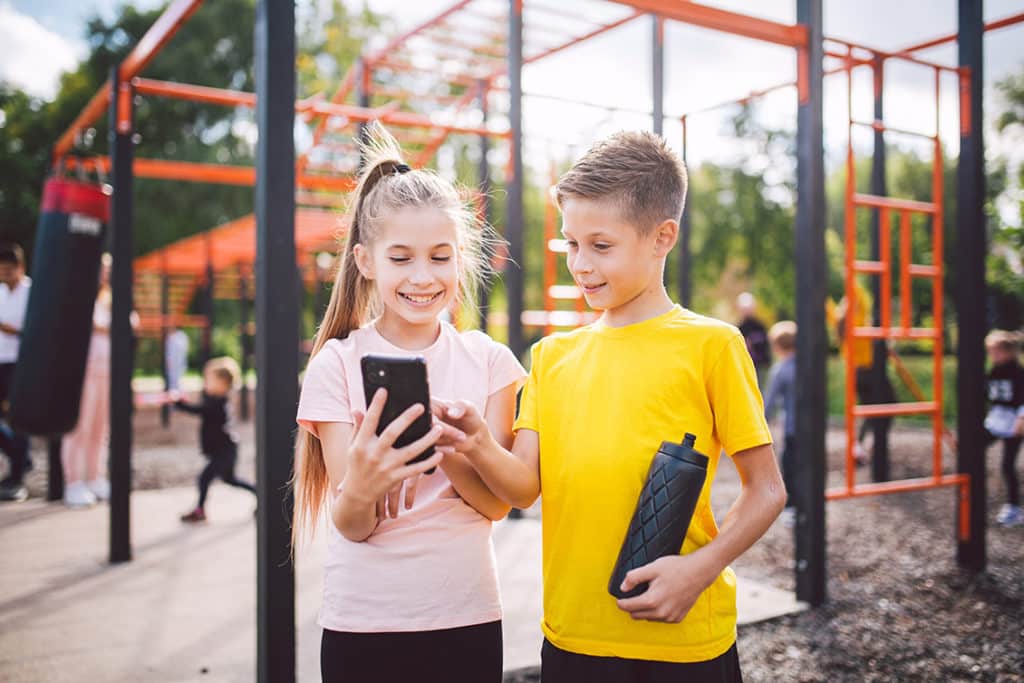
(469, 654)
(559, 666)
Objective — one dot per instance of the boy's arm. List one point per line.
(186, 407)
(499, 414)
(513, 475)
(677, 581)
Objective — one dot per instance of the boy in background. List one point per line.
(782, 391)
(1005, 419)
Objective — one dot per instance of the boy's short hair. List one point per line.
(12, 253)
(1003, 339)
(225, 368)
(783, 335)
(635, 169)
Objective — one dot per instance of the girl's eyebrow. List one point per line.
(436, 246)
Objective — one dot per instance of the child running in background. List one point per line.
(598, 402)
(409, 597)
(1005, 419)
(217, 437)
(782, 390)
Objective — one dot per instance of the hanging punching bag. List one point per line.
(47, 385)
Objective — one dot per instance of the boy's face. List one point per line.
(999, 355)
(214, 384)
(10, 273)
(612, 263)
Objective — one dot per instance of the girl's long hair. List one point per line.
(385, 185)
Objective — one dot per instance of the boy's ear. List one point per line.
(666, 234)
(364, 262)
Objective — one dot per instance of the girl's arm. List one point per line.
(677, 581)
(499, 415)
(513, 475)
(363, 467)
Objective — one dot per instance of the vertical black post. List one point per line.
(165, 308)
(121, 152)
(880, 347)
(484, 178)
(363, 100)
(970, 268)
(657, 73)
(245, 341)
(685, 277)
(812, 344)
(55, 469)
(515, 269)
(277, 328)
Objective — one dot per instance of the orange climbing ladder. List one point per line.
(896, 220)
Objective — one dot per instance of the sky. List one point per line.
(41, 38)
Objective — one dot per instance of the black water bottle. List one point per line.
(663, 512)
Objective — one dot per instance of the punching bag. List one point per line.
(47, 385)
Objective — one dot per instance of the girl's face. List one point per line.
(413, 263)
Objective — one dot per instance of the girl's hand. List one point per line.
(375, 466)
(466, 421)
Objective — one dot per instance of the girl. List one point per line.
(411, 596)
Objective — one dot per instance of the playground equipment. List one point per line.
(470, 50)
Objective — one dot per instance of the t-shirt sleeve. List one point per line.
(324, 396)
(736, 400)
(503, 369)
(529, 417)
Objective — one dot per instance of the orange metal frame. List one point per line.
(903, 210)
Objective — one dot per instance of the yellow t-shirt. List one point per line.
(602, 399)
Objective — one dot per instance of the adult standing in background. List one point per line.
(176, 358)
(82, 450)
(14, 289)
(755, 334)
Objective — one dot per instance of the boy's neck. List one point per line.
(650, 303)
(405, 335)
(783, 355)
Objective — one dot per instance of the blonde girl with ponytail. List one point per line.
(410, 585)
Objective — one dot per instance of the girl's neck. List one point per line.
(406, 335)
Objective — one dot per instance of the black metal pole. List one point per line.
(685, 277)
(657, 73)
(484, 176)
(277, 329)
(515, 269)
(970, 267)
(879, 362)
(165, 308)
(121, 152)
(812, 345)
(245, 341)
(55, 469)
(363, 100)
(208, 305)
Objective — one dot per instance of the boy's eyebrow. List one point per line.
(596, 233)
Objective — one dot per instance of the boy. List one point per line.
(1005, 419)
(782, 389)
(216, 435)
(597, 404)
(14, 289)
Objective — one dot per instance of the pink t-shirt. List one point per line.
(433, 567)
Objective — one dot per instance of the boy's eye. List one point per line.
(572, 244)
(602, 246)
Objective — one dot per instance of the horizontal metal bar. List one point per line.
(895, 333)
(564, 292)
(894, 409)
(558, 246)
(791, 35)
(892, 203)
(917, 270)
(880, 126)
(556, 318)
(898, 486)
(868, 267)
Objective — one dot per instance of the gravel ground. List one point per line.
(898, 607)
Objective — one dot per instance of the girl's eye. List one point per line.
(400, 259)
(442, 259)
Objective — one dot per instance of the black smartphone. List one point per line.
(405, 378)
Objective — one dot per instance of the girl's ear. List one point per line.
(364, 261)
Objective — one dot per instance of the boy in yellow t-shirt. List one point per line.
(598, 403)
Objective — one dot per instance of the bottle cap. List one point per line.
(685, 451)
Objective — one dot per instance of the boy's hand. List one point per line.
(674, 584)
(466, 421)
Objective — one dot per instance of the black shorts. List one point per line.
(559, 666)
(469, 654)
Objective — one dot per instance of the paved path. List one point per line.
(184, 608)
